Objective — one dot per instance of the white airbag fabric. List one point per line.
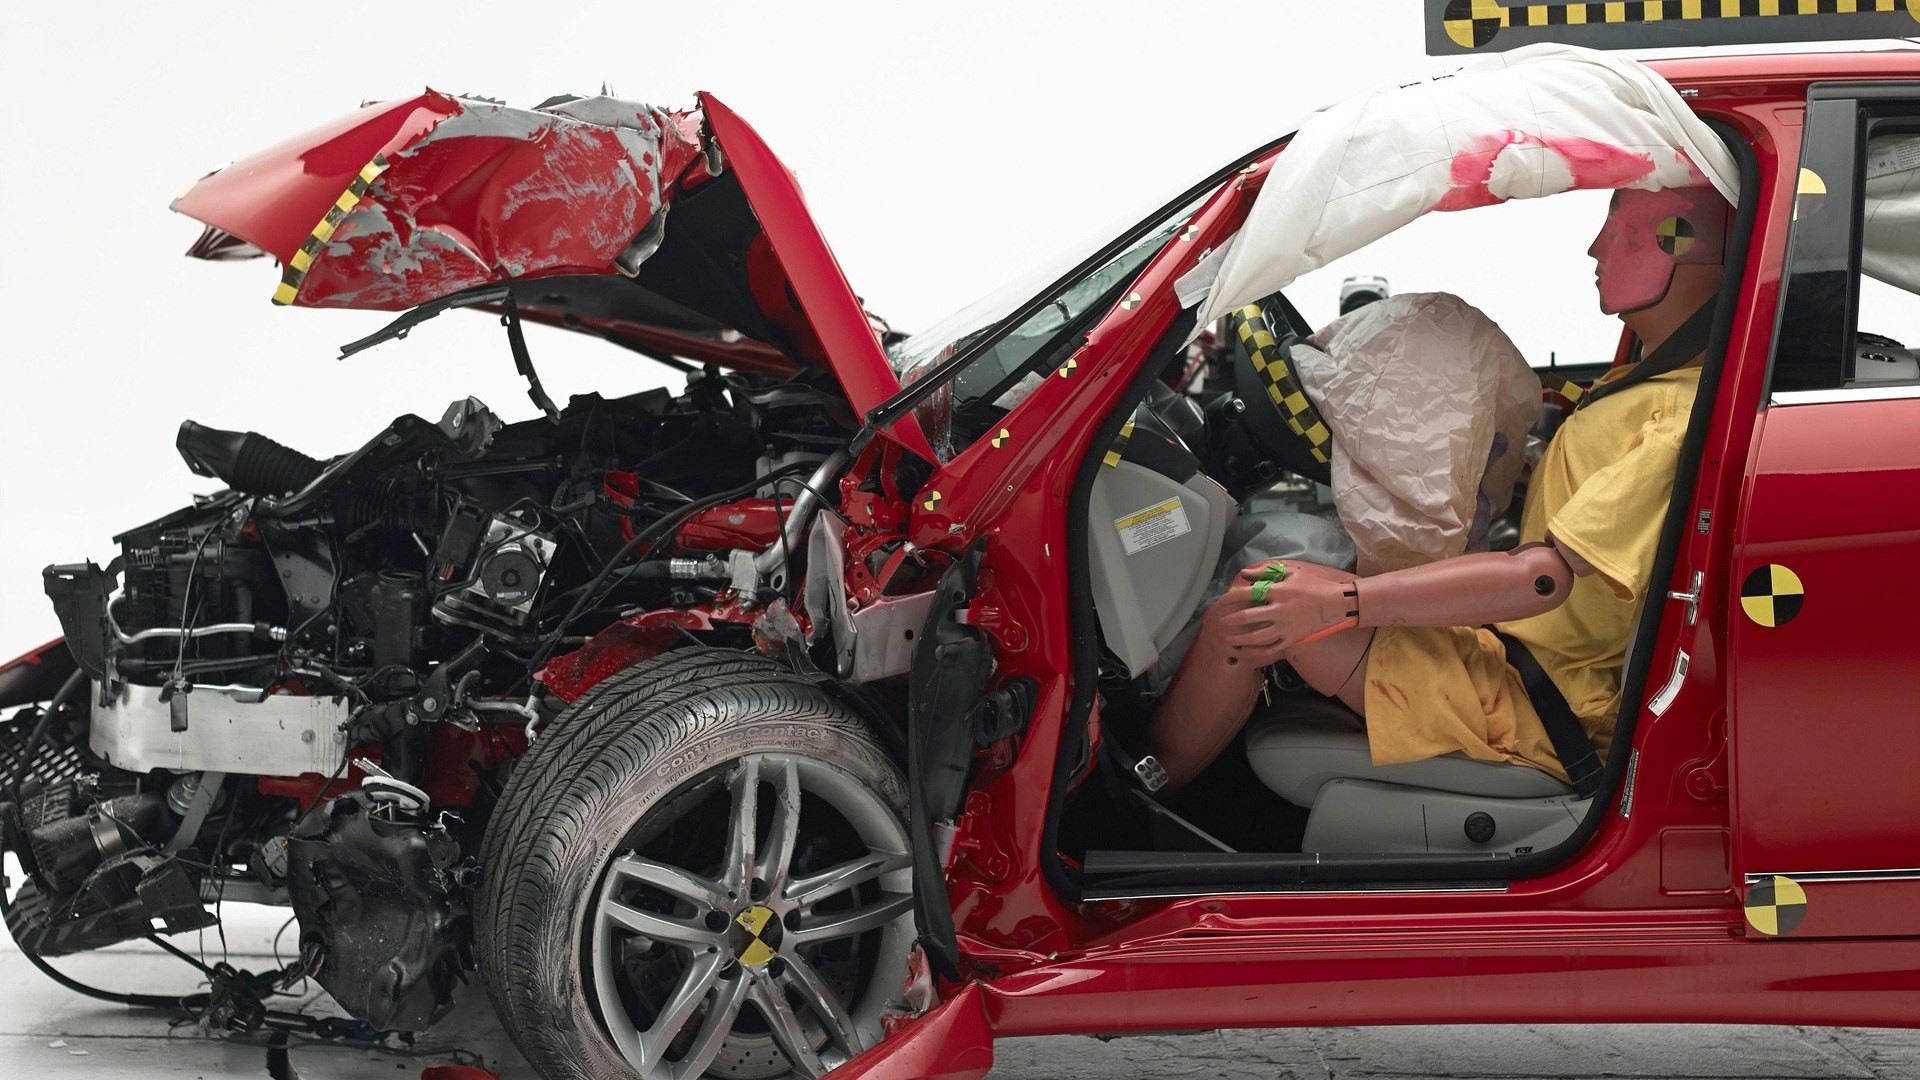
(1532, 122)
(1429, 403)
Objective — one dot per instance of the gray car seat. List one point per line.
(1313, 752)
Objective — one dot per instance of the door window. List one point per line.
(1850, 319)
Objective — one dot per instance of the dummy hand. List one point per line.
(1309, 603)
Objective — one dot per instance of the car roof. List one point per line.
(1784, 71)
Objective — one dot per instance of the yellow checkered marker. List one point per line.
(1119, 449)
(1283, 386)
(1808, 194)
(302, 261)
(762, 938)
(1566, 388)
(1776, 905)
(1772, 595)
(1674, 235)
(1473, 24)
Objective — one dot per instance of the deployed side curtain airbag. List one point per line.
(1536, 121)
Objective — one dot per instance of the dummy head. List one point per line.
(1648, 236)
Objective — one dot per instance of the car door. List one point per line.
(1826, 573)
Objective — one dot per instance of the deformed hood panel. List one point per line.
(410, 201)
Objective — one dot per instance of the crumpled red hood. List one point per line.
(409, 201)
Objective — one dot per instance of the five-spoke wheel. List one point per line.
(764, 927)
(700, 869)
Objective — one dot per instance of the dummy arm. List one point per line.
(1265, 616)
(1311, 602)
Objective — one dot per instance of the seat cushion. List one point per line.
(1303, 742)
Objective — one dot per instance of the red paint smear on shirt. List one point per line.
(1592, 164)
(1393, 693)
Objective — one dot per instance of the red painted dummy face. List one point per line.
(1647, 234)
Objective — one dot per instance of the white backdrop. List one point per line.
(943, 148)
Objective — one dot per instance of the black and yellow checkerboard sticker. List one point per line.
(1566, 388)
(1674, 235)
(1473, 24)
(931, 502)
(1119, 448)
(1269, 361)
(1002, 439)
(1809, 194)
(761, 941)
(296, 269)
(1776, 905)
(1772, 595)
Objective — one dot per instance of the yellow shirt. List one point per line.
(1602, 490)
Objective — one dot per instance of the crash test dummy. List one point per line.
(1416, 652)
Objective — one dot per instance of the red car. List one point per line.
(778, 726)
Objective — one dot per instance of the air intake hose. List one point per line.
(248, 462)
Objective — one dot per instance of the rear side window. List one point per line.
(1850, 316)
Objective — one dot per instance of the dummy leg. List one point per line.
(1336, 666)
(1211, 696)
(1214, 691)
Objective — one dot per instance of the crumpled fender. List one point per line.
(951, 1042)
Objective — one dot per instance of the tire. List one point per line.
(628, 923)
(655, 676)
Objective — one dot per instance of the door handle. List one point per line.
(1691, 597)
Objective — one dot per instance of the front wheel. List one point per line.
(701, 869)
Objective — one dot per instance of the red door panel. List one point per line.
(1826, 706)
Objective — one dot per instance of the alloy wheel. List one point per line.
(771, 950)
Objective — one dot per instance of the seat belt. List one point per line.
(1570, 742)
(1569, 738)
(1687, 341)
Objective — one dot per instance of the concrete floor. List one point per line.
(48, 1031)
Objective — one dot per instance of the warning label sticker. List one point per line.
(1888, 156)
(1156, 524)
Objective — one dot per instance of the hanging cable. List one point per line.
(591, 594)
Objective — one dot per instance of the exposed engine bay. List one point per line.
(305, 688)
(404, 573)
